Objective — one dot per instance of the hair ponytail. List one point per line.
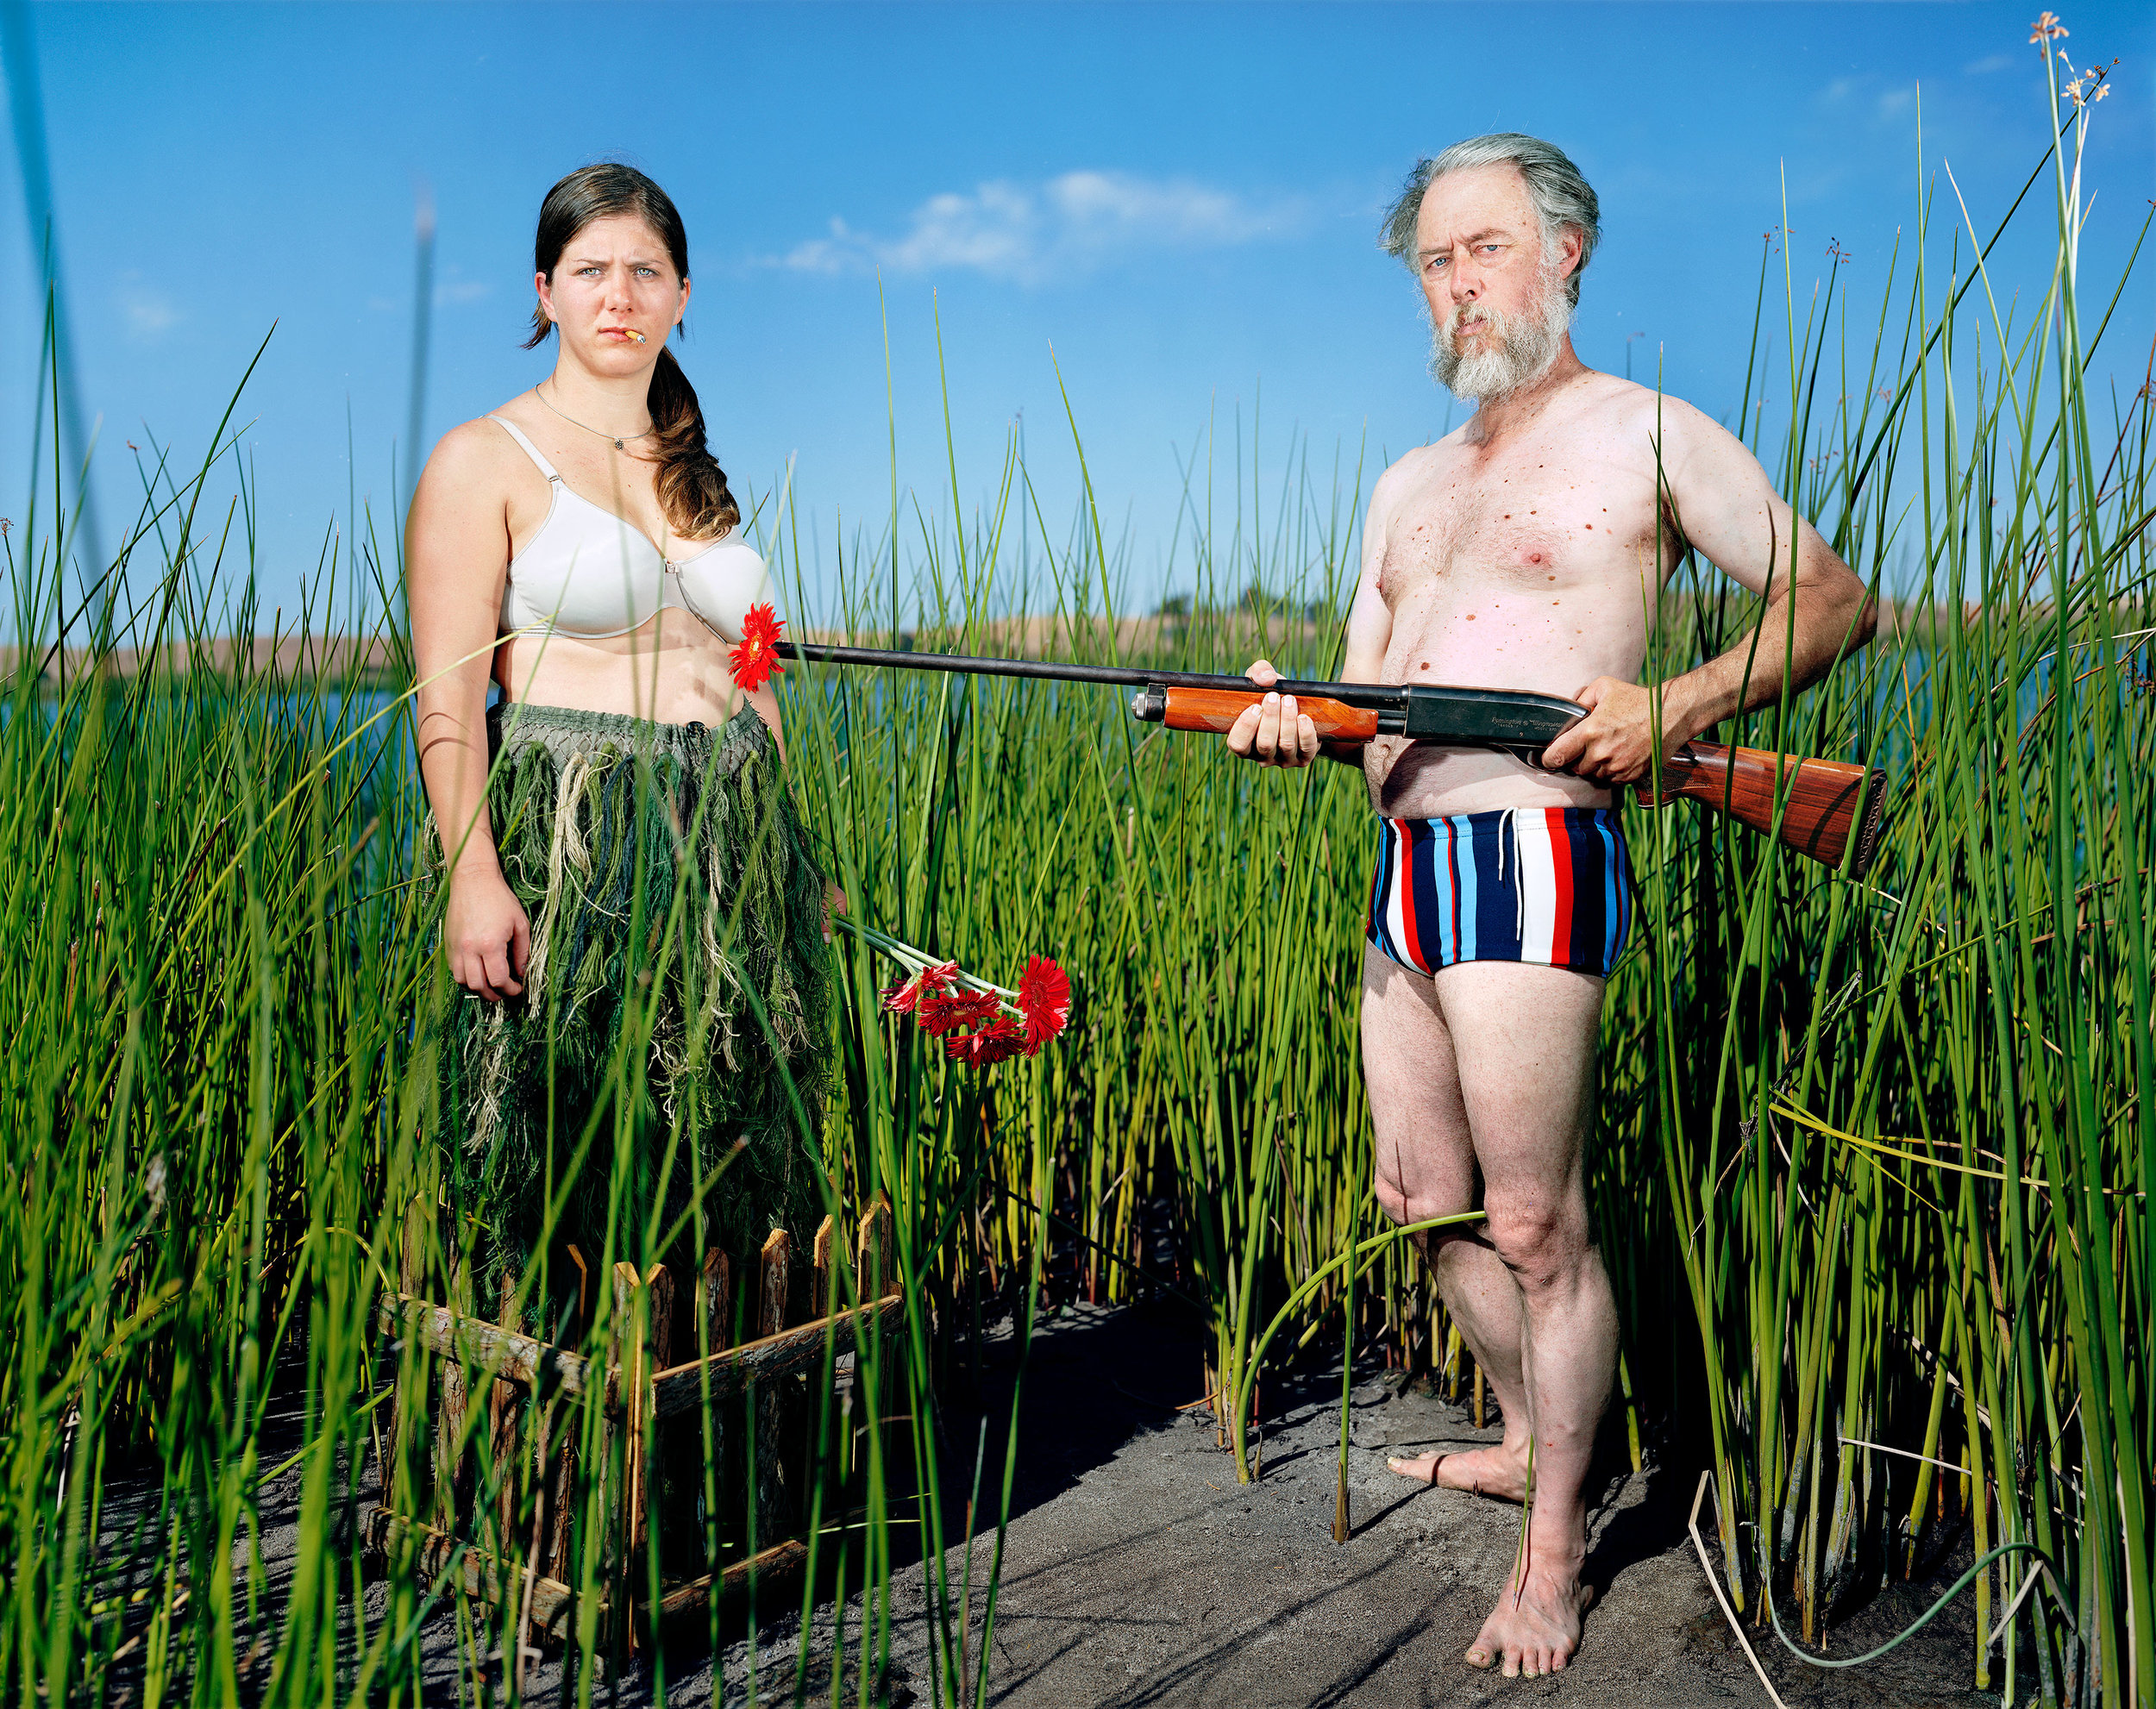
(692, 486)
(693, 491)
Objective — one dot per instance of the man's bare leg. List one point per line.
(1524, 1041)
(1425, 1167)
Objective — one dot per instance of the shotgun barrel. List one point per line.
(1043, 670)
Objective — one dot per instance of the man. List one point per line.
(1527, 550)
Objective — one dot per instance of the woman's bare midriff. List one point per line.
(672, 671)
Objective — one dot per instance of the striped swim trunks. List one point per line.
(1549, 885)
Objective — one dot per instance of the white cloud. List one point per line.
(448, 293)
(147, 312)
(1885, 103)
(1032, 233)
(1989, 64)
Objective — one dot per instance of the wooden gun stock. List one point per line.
(1829, 800)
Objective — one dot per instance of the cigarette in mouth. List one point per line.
(634, 333)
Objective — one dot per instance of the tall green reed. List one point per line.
(1908, 1176)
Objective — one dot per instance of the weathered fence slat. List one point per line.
(714, 1301)
(780, 1561)
(768, 1396)
(741, 1368)
(502, 1409)
(820, 1268)
(550, 1609)
(533, 1363)
(450, 1452)
(549, 1603)
(651, 1351)
(500, 1352)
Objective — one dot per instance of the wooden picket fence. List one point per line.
(536, 1389)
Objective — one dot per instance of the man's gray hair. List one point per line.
(1563, 199)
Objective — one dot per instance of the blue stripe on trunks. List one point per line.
(1459, 845)
(1380, 886)
(1616, 897)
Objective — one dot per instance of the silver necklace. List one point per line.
(621, 439)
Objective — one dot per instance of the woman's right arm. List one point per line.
(456, 558)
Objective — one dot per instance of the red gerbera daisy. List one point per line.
(901, 999)
(991, 1044)
(940, 1013)
(756, 661)
(1044, 995)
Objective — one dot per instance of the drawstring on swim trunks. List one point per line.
(1510, 822)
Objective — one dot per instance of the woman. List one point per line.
(631, 913)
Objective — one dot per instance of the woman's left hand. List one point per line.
(833, 902)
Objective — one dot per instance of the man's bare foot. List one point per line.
(1495, 1471)
(1542, 1633)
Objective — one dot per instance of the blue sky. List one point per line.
(1180, 201)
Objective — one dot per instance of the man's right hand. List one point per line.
(485, 935)
(1272, 732)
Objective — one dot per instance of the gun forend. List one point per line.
(1508, 720)
(1216, 708)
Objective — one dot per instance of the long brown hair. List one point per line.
(692, 486)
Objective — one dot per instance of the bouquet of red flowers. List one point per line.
(980, 1023)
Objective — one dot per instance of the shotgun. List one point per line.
(1824, 803)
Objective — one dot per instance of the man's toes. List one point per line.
(1478, 1656)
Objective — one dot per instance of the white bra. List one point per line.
(590, 574)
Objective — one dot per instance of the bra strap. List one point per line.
(531, 450)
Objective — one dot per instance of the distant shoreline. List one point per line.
(372, 660)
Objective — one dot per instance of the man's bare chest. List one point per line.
(1551, 524)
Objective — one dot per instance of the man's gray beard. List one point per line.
(1524, 348)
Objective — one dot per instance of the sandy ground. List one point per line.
(1138, 1572)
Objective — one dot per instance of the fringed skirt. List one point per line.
(678, 1002)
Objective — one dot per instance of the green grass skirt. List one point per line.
(680, 995)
